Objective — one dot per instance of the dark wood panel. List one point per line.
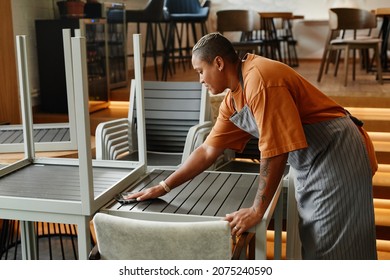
(9, 105)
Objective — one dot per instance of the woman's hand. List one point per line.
(271, 172)
(149, 193)
(242, 220)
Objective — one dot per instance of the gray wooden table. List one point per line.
(209, 196)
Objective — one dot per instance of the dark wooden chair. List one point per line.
(343, 21)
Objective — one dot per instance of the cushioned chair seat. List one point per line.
(201, 15)
(123, 238)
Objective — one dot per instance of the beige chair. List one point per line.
(120, 238)
(350, 20)
(239, 27)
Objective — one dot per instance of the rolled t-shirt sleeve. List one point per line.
(279, 122)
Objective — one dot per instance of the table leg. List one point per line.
(261, 241)
(293, 243)
(278, 227)
(83, 237)
(28, 240)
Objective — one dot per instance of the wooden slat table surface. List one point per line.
(209, 196)
(56, 182)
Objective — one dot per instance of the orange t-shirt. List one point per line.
(281, 101)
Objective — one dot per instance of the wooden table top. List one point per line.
(382, 11)
(210, 194)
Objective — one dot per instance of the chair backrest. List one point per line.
(153, 12)
(183, 6)
(171, 109)
(121, 238)
(236, 21)
(351, 19)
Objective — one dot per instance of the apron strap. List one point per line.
(239, 71)
(355, 120)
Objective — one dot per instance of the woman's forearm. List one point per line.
(271, 172)
(197, 162)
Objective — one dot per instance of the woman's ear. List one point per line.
(219, 63)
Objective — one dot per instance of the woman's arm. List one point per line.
(271, 172)
(198, 161)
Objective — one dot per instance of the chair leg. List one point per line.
(354, 64)
(323, 60)
(337, 62)
(151, 47)
(379, 65)
(346, 66)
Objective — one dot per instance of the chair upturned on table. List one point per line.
(352, 20)
(58, 190)
(50, 136)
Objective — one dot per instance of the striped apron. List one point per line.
(333, 189)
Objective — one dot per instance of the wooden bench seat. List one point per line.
(376, 114)
(383, 167)
(382, 203)
(381, 140)
(375, 119)
(383, 245)
(381, 179)
(382, 217)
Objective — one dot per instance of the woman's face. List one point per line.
(211, 75)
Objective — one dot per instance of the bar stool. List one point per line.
(153, 16)
(269, 34)
(183, 14)
(289, 52)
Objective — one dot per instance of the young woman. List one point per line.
(332, 156)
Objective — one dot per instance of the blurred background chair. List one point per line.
(384, 16)
(240, 30)
(185, 17)
(154, 17)
(269, 33)
(344, 24)
(288, 41)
